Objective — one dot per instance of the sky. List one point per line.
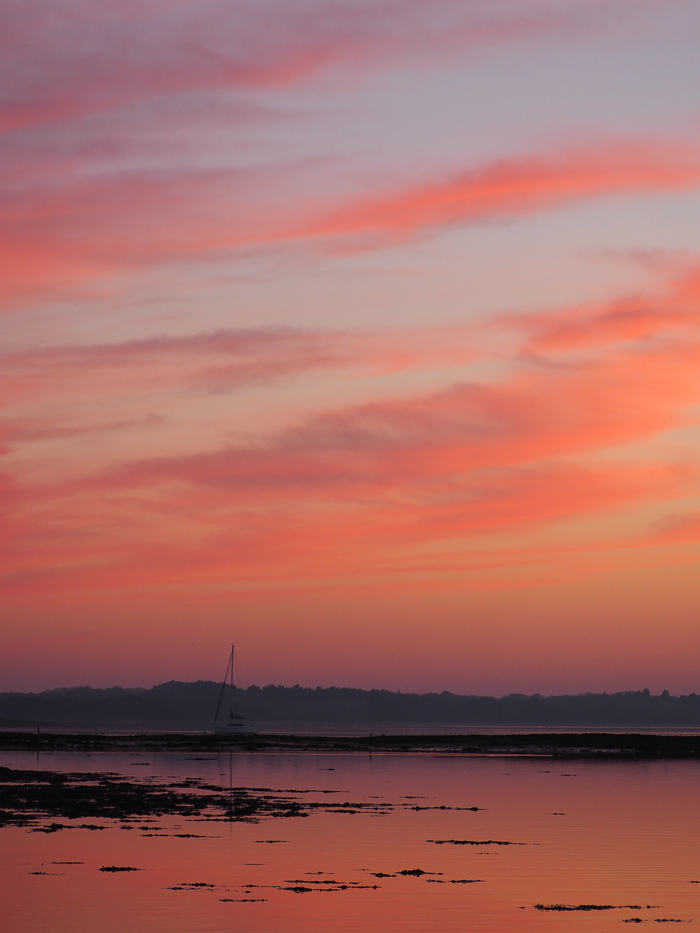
(364, 334)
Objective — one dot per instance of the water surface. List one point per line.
(616, 834)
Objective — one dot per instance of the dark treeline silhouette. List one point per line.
(195, 703)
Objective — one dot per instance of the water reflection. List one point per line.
(428, 856)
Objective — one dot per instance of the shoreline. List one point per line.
(554, 745)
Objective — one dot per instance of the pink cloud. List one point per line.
(89, 57)
(673, 313)
(515, 187)
(381, 487)
(82, 229)
(220, 360)
(620, 322)
(423, 445)
(372, 538)
(224, 358)
(680, 527)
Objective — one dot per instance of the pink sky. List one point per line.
(363, 334)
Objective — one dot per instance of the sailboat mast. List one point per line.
(236, 724)
(230, 695)
(227, 682)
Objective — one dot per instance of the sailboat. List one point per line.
(236, 725)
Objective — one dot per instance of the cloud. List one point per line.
(15, 431)
(682, 527)
(86, 228)
(516, 187)
(620, 322)
(208, 541)
(420, 479)
(671, 314)
(422, 445)
(220, 360)
(90, 57)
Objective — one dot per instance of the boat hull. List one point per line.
(235, 728)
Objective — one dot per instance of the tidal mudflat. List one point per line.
(150, 839)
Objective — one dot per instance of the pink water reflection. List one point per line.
(610, 833)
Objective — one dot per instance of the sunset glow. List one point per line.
(363, 334)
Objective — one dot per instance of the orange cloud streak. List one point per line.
(81, 230)
(511, 188)
(386, 487)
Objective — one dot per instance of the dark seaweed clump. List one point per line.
(475, 842)
(569, 907)
(119, 868)
(30, 798)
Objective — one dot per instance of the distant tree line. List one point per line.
(195, 703)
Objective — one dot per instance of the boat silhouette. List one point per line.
(236, 724)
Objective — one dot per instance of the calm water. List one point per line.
(604, 833)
